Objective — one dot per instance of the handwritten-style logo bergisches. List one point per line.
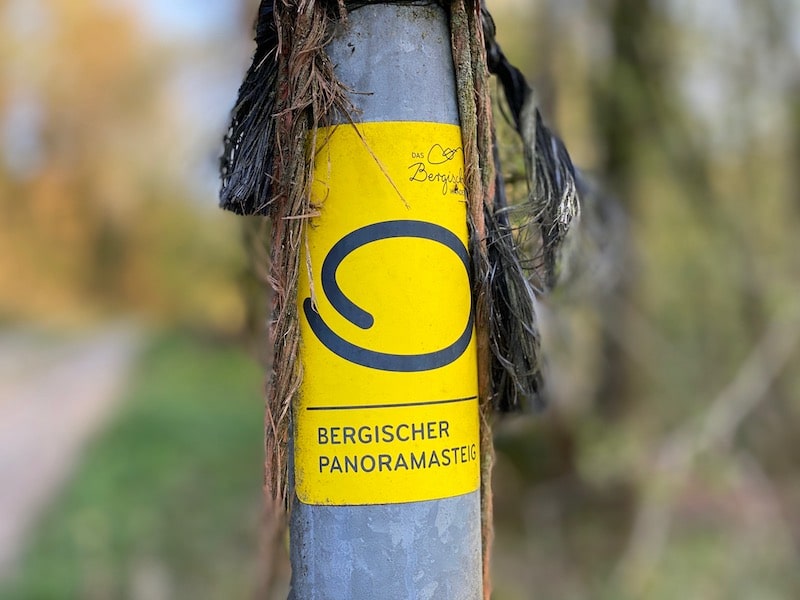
(430, 168)
(361, 318)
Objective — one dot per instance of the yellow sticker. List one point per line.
(388, 407)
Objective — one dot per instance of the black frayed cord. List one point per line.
(553, 206)
(247, 158)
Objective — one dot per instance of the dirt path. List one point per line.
(53, 396)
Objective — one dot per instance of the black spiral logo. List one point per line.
(365, 357)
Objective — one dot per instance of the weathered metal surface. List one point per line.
(397, 61)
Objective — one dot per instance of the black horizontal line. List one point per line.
(398, 405)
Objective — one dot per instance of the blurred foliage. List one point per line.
(167, 502)
(98, 212)
(666, 465)
(662, 469)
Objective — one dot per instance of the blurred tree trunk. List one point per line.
(621, 114)
(636, 108)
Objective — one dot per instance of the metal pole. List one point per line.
(385, 461)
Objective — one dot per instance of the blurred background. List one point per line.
(130, 387)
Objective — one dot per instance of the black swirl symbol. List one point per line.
(365, 357)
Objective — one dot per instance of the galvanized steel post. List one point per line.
(354, 540)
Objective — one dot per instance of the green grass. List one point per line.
(166, 501)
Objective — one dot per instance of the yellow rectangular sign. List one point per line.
(388, 406)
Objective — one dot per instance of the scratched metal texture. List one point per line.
(397, 61)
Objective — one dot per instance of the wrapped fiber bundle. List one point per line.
(290, 92)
